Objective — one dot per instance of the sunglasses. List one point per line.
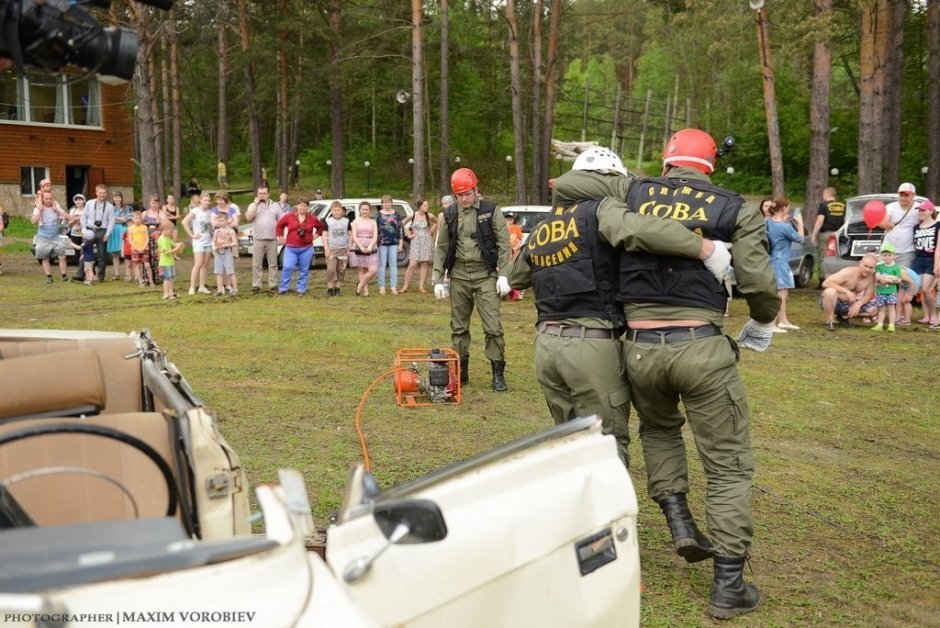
(905, 194)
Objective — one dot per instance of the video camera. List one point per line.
(50, 34)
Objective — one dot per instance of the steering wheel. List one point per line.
(103, 432)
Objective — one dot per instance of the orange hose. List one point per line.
(362, 403)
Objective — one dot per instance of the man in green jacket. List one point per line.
(675, 350)
(473, 249)
(571, 259)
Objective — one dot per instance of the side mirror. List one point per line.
(422, 516)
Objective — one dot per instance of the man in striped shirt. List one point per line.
(264, 214)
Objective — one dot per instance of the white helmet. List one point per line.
(599, 159)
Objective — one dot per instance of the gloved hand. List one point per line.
(719, 261)
(502, 286)
(755, 336)
(440, 292)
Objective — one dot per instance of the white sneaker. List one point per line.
(778, 330)
(204, 290)
(192, 291)
(789, 326)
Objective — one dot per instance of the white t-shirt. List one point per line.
(902, 236)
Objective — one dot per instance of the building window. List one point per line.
(30, 176)
(51, 99)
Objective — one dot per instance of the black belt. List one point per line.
(571, 331)
(665, 336)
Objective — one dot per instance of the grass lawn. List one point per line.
(845, 427)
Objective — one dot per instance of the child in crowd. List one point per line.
(224, 243)
(336, 248)
(139, 237)
(887, 278)
(907, 290)
(168, 248)
(89, 255)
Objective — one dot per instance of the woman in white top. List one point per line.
(198, 225)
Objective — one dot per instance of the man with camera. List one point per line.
(98, 217)
(264, 214)
(676, 350)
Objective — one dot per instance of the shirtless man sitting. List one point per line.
(848, 293)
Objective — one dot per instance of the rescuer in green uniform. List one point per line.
(571, 259)
(675, 350)
(473, 248)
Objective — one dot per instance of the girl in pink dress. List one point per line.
(363, 251)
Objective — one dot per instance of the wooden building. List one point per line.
(77, 134)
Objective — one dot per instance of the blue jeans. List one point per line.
(388, 256)
(296, 258)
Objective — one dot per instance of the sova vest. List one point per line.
(574, 273)
(706, 209)
(485, 237)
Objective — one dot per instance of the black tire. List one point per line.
(403, 255)
(804, 272)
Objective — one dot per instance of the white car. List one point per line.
(121, 502)
(527, 216)
(321, 209)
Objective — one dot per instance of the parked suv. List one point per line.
(847, 245)
(321, 209)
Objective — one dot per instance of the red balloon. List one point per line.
(874, 213)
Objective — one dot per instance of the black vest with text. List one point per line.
(485, 237)
(700, 206)
(574, 273)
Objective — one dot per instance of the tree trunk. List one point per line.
(445, 100)
(872, 48)
(551, 71)
(417, 98)
(539, 166)
(254, 128)
(337, 176)
(176, 108)
(819, 126)
(154, 75)
(933, 99)
(518, 125)
(167, 109)
(224, 143)
(770, 103)
(284, 165)
(148, 154)
(894, 95)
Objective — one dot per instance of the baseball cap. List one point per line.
(908, 188)
(887, 247)
(926, 205)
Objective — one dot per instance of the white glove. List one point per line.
(719, 261)
(440, 292)
(755, 336)
(502, 286)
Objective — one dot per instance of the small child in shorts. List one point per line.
(139, 236)
(168, 249)
(224, 243)
(89, 256)
(887, 277)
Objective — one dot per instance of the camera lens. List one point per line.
(301, 232)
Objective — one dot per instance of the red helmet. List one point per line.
(691, 148)
(463, 180)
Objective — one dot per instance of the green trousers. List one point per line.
(584, 376)
(464, 294)
(702, 374)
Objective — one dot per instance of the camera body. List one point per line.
(51, 34)
(98, 224)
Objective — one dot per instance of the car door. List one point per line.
(539, 532)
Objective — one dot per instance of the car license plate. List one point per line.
(860, 247)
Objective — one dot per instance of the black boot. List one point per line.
(730, 595)
(499, 384)
(687, 539)
(465, 370)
